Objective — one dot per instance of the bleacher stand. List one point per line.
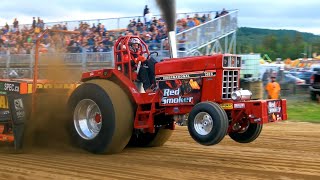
(20, 39)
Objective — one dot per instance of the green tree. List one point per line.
(269, 42)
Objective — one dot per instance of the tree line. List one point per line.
(277, 43)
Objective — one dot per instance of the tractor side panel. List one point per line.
(212, 90)
(180, 92)
(182, 88)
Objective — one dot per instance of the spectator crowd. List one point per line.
(20, 39)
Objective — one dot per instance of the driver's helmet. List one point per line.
(134, 45)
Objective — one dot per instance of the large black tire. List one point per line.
(219, 120)
(159, 138)
(249, 135)
(116, 112)
(313, 96)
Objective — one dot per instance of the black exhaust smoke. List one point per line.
(168, 10)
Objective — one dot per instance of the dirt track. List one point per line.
(283, 151)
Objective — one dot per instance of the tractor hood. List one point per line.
(188, 64)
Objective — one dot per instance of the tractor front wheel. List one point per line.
(207, 123)
(102, 117)
(247, 134)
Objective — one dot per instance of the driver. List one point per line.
(135, 48)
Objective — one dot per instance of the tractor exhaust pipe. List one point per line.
(168, 9)
(173, 44)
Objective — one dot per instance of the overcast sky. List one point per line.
(275, 14)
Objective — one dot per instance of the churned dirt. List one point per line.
(286, 150)
(50, 117)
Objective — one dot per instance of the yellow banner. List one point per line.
(53, 86)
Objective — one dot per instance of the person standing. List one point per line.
(273, 88)
(148, 19)
(145, 11)
(34, 22)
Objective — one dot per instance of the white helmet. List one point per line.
(133, 41)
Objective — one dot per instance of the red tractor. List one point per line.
(110, 110)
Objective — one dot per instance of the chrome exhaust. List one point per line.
(173, 44)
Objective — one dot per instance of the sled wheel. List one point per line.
(159, 138)
(247, 135)
(207, 123)
(102, 117)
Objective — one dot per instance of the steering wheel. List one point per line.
(154, 52)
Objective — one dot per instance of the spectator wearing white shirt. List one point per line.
(148, 18)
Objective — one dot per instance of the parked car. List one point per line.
(305, 75)
(289, 78)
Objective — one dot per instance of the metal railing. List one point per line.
(207, 32)
(21, 65)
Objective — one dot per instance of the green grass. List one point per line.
(301, 108)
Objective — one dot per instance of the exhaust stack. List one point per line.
(168, 9)
(173, 44)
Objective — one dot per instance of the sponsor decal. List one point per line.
(10, 87)
(183, 76)
(186, 75)
(168, 99)
(239, 106)
(227, 105)
(273, 107)
(180, 91)
(274, 111)
(18, 105)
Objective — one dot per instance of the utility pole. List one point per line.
(310, 51)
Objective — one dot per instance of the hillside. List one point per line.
(277, 43)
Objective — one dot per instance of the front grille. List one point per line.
(231, 61)
(229, 83)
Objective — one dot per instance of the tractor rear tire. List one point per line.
(116, 118)
(159, 138)
(249, 135)
(207, 123)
